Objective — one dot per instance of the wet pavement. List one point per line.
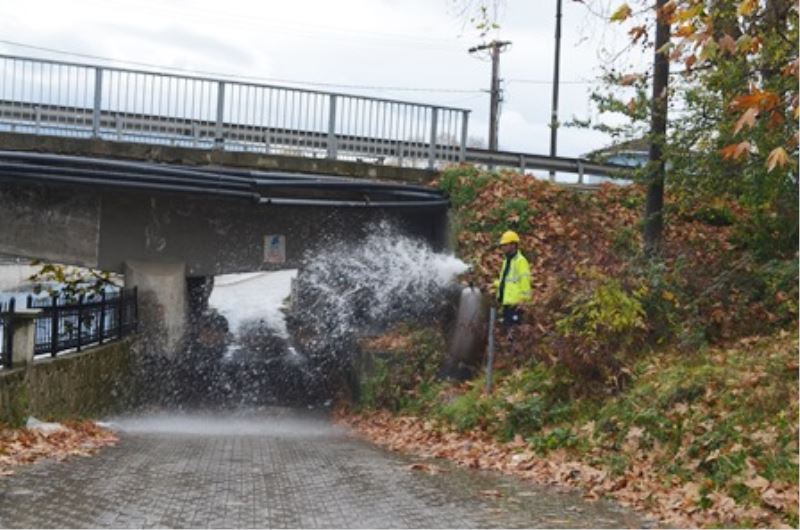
(275, 471)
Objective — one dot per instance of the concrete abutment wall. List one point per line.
(91, 383)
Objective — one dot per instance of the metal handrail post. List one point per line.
(432, 146)
(332, 147)
(101, 325)
(80, 320)
(120, 300)
(98, 100)
(219, 141)
(54, 326)
(9, 330)
(462, 154)
(136, 308)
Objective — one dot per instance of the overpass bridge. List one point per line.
(169, 228)
(168, 178)
(241, 123)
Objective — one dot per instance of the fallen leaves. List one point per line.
(563, 234)
(686, 499)
(25, 446)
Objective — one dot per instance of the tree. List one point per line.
(653, 217)
(70, 282)
(734, 108)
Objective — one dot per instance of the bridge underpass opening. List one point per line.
(367, 253)
(293, 337)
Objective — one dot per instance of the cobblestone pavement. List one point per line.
(198, 471)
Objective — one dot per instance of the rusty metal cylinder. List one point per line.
(467, 337)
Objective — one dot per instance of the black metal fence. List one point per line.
(6, 308)
(69, 324)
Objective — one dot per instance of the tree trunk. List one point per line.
(653, 222)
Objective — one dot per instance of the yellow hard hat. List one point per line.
(509, 237)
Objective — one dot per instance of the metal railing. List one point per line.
(6, 332)
(62, 325)
(40, 96)
(524, 161)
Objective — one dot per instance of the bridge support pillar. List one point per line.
(163, 304)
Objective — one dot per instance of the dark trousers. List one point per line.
(512, 315)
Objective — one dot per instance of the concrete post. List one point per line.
(163, 304)
(24, 336)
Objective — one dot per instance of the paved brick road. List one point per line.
(198, 471)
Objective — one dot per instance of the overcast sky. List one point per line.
(418, 44)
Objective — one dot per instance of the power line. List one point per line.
(243, 77)
(550, 81)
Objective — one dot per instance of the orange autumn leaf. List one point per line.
(763, 99)
(637, 32)
(736, 151)
(748, 118)
(629, 79)
(777, 158)
(790, 69)
(686, 30)
(776, 119)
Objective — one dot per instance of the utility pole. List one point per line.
(495, 47)
(556, 73)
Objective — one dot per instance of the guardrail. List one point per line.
(54, 97)
(524, 161)
(66, 325)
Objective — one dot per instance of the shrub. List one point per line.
(606, 311)
(715, 215)
(461, 184)
(601, 324)
(400, 366)
(514, 214)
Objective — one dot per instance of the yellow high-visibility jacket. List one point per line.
(517, 288)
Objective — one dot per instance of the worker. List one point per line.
(514, 285)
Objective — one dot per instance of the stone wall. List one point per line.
(91, 383)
